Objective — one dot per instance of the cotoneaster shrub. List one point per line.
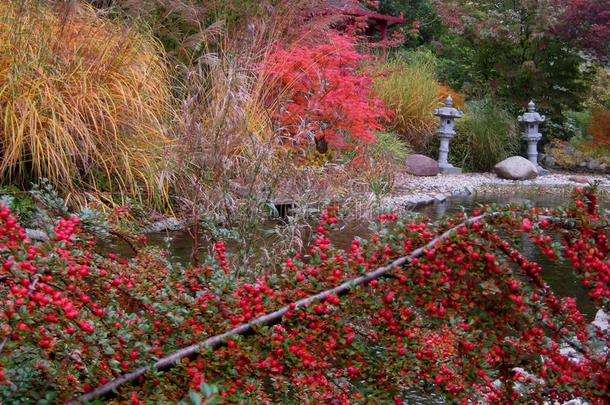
(85, 101)
(456, 320)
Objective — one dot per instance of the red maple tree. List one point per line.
(586, 23)
(323, 96)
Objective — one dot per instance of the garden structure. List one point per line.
(376, 22)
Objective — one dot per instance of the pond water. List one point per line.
(558, 274)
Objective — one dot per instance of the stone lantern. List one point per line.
(531, 121)
(447, 114)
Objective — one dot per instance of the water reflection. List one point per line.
(559, 275)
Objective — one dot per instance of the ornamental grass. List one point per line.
(486, 135)
(84, 102)
(410, 89)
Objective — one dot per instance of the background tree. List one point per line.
(514, 48)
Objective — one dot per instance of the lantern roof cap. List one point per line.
(448, 110)
(531, 116)
(531, 106)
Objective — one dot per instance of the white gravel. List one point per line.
(411, 191)
(448, 183)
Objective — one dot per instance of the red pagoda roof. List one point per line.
(354, 8)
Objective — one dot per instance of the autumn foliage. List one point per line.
(323, 95)
(600, 126)
(457, 320)
(586, 23)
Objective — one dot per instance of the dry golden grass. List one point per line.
(411, 90)
(85, 102)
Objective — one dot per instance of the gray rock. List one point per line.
(168, 224)
(516, 168)
(603, 168)
(36, 234)
(469, 190)
(601, 320)
(440, 198)
(420, 165)
(593, 164)
(418, 201)
(582, 164)
(549, 161)
(579, 179)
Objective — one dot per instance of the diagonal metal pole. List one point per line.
(271, 318)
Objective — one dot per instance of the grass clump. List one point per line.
(390, 147)
(84, 102)
(486, 135)
(408, 86)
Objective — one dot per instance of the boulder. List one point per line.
(418, 201)
(420, 165)
(593, 164)
(579, 179)
(164, 225)
(601, 320)
(440, 198)
(516, 168)
(36, 234)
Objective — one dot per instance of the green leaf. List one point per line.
(206, 390)
(195, 397)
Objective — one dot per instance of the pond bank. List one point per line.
(413, 191)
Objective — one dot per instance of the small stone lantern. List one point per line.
(447, 114)
(530, 121)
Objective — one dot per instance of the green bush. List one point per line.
(486, 135)
(580, 120)
(389, 146)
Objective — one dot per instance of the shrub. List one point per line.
(445, 91)
(385, 160)
(486, 135)
(409, 87)
(455, 317)
(579, 122)
(84, 101)
(599, 127)
(322, 96)
(388, 147)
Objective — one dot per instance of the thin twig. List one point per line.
(269, 319)
(126, 239)
(5, 341)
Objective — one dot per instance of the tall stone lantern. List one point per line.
(531, 121)
(447, 115)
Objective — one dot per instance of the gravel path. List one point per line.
(412, 191)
